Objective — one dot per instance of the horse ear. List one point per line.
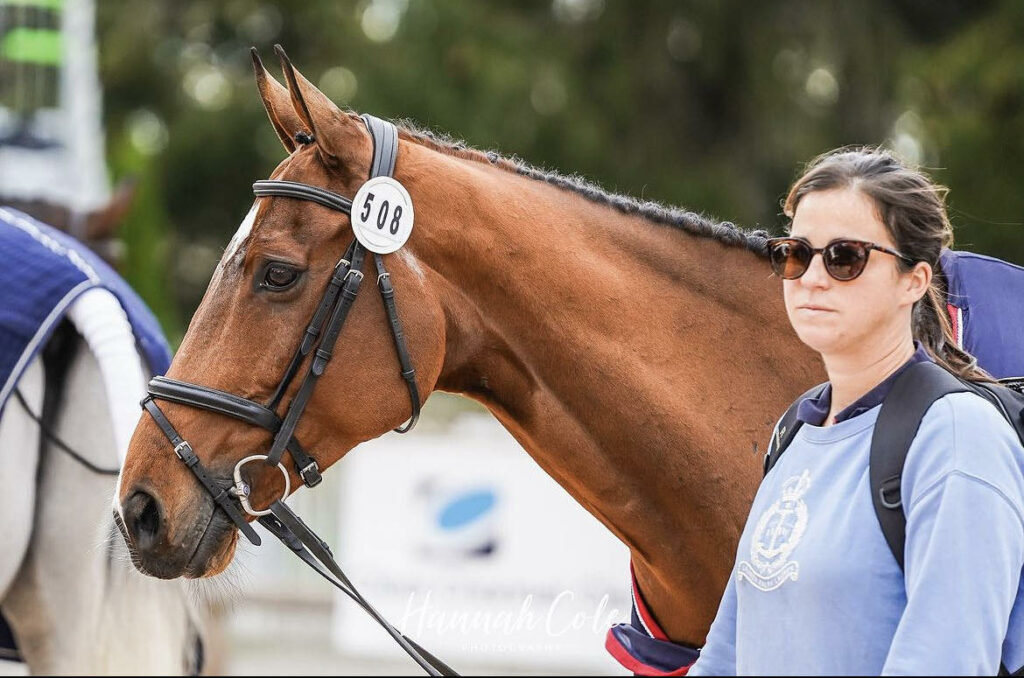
(278, 104)
(339, 136)
(103, 222)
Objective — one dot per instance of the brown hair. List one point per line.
(913, 210)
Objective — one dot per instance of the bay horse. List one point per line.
(639, 354)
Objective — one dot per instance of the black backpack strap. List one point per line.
(786, 429)
(913, 393)
(1007, 397)
(1003, 671)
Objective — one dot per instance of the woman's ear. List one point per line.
(917, 280)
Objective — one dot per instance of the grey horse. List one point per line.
(67, 587)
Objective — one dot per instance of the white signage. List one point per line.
(463, 543)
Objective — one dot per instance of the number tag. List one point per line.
(382, 215)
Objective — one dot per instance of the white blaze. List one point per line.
(240, 236)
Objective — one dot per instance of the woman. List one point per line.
(815, 588)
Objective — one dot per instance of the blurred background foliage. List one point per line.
(714, 105)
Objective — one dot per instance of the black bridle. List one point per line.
(319, 339)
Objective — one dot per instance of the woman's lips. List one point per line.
(812, 308)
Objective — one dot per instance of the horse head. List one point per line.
(242, 338)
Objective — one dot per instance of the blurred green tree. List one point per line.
(711, 104)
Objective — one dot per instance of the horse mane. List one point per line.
(693, 223)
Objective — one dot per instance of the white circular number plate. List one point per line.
(382, 215)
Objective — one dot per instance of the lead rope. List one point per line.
(284, 524)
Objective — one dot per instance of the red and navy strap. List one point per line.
(643, 647)
(643, 613)
(636, 655)
(956, 319)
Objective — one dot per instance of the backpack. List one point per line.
(915, 390)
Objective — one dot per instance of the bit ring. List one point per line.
(242, 489)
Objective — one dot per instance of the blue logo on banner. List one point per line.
(462, 521)
(466, 508)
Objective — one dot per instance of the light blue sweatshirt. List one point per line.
(816, 590)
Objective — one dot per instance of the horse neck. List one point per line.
(633, 361)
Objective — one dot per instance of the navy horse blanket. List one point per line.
(985, 302)
(43, 271)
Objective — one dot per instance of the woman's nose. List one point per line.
(816, 275)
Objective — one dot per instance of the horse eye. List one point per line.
(279, 276)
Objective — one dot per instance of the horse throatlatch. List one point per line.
(321, 334)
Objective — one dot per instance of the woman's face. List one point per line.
(853, 317)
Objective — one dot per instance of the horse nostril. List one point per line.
(143, 519)
(149, 521)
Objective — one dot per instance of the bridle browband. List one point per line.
(319, 339)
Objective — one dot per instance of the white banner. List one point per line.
(470, 549)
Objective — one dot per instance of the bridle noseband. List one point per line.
(319, 339)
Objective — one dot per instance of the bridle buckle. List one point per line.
(314, 476)
(181, 447)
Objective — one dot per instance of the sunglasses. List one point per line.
(844, 259)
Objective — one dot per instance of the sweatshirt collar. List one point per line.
(814, 410)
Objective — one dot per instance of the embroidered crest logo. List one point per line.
(776, 535)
